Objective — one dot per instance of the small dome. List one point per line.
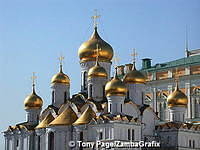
(87, 50)
(97, 71)
(33, 101)
(177, 98)
(60, 78)
(115, 87)
(135, 77)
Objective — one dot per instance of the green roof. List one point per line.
(187, 61)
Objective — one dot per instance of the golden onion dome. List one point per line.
(115, 87)
(97, 71)
(87, 50)
(177, 98)
(33, 101)
(60, 78)
(134, 76)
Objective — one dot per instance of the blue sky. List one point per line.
(33, 34)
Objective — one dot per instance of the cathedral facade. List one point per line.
(108, 112)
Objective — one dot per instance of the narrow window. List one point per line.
(81, 139)
(110, 107)
(193, 143)
(65, 97)
(38, 142)
(104, 92)
(133, 135)
(127, 95)
(121, 107)
(51, 141)
(90, 90)
(17, 143)
(129, 134)
(100, 135)
(190, 144)
(84, 80)
(53, 96)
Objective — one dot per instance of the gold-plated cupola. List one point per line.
(115, 87)
(87, 50)
(33, 101)
(60, 77)
(177, 98)
(134, 76)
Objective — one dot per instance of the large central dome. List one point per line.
(88, 52)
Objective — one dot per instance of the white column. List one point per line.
(136, 93)
(14, 147)
(21, 143)
(7, 143)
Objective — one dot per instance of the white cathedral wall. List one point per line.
(113, 131)
(149, 120)
(131, 110)
(185, 136)
(136, 93)
(173, 137)
(98, 84)
(59, 93)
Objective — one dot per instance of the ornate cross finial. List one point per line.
(115, 60)
(61, 58)
(33, 77)
(95, 17)
(134, 54)
(33, 81)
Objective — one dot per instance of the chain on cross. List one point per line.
(95, 17)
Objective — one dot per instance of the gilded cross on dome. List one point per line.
(134, 55)
(61, 58)
(33, 78)
(95, 17)
(115, 60)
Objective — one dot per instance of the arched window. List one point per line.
(81, 139)
(129, 134)
(53, 96)
(133, 135)
(104, 95)
(38, 142)
(90, 90)
(84, 80)
(65, 97)
(193, 143)
(51, 141)
(127, 94)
